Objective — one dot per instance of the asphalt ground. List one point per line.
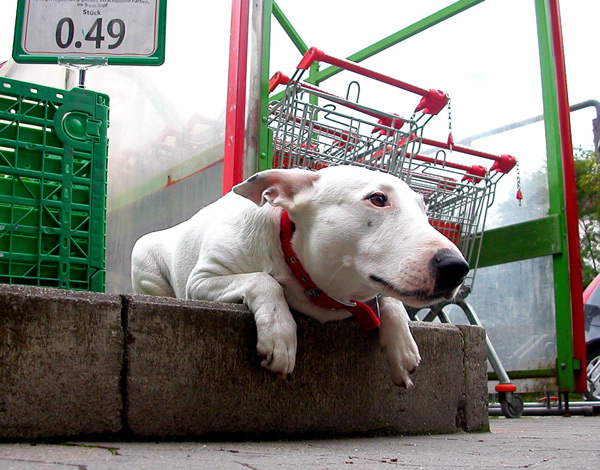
(529, 442)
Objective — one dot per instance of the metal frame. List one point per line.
(555, 235)
(233, 161)
(570, 340)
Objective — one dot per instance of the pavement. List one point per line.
(529, 442)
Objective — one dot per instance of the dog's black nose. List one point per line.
(449, 269)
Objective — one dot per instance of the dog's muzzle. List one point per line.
(449, 270)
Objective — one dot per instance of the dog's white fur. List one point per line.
(230, 251)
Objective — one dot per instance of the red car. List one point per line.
(591, 309)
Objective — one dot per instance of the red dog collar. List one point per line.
(365, 316)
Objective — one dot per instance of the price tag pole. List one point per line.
(81, 66)
(84, 34)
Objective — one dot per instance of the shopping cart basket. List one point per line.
(314, 129)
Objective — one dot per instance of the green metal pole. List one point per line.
(288, 28)
(402, 35)
(562, 295)
(265, 135)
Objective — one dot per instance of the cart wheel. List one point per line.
(511, 405)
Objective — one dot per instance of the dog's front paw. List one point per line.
(396, 340)
(277, 345)
(403, 360)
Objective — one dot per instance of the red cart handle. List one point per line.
(502, 163)
(433, 101)
(278, 79)
(473, 173)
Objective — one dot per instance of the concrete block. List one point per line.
(475, 409)
(61, 357)
(190, 370)
(193, 372)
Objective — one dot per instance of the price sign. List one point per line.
(129, 32)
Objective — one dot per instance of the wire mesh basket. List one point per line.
(314, 129)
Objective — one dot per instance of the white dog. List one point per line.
(349, 234)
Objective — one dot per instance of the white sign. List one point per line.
(90, 28)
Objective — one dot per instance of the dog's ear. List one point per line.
(277, 187)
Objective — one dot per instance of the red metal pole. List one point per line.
(233, 160)
(571, 210)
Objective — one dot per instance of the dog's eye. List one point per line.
(378, 199)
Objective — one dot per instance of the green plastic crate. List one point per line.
(53, 160)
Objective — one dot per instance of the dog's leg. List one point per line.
(397, 341)
(146, 275)
(263, 295)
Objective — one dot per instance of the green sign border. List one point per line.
(22, 57)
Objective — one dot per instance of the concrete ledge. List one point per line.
(76, 364)
(60, 363)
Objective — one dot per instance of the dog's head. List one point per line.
(362, 232)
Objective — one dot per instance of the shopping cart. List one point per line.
(313, 129)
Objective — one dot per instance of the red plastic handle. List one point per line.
(433, 101)
(502, 164)
(278, 79)
(310, 56)
(474, 173)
